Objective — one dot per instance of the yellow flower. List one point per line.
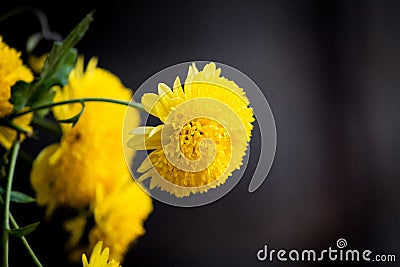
(119, 218)
(11, 71)
(206, 130)
(88, 169)
(90, 154)
(43, 179)
(99, 258)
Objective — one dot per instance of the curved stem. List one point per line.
(6, 221)
(78, 100)
(40, 15)
(26, 244)
(24, 241)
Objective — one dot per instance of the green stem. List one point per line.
(24, 241)
(6, 222)
(78, 100)
(26, 244)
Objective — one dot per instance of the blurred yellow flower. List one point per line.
(90, 154)
(99, 258)
(119, 218)
(43, 179)
(88, 169)
(208, 107)
(12, 70)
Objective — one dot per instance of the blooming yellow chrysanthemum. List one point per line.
(12, 70)
(119, 218)
(88, 169)
(90, 154)
(206, 130)
(99, 258)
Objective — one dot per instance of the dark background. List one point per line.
(331, 73)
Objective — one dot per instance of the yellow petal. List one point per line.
(209, 70)
(195, 70)
(146, 165)
(144, 142)
(163, 89)
(142, 130)
(178, 90)
(92, 64)
(145, 137)
(104, 255)
(145, 176)
(149, 101)
(190, 75)
(155, 105)
(85, 261)
(155, 130)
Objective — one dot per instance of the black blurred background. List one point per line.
(331, 73)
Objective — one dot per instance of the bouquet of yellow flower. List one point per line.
(203, 138)
(86, 105)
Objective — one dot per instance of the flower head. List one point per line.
(99, 257)
(87, 169)
(12, 70)
(119, 218)
(207, 126)
(89, 154)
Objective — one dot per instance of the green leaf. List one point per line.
(72, 39)
(62, 61)
(59, 63)
(18, 197)
(23, 231)
(20, 94)
(75, 118)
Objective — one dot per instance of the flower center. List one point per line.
(193, 134)
(205, 145)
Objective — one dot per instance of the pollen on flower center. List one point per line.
(204, 146)
(193, 134)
